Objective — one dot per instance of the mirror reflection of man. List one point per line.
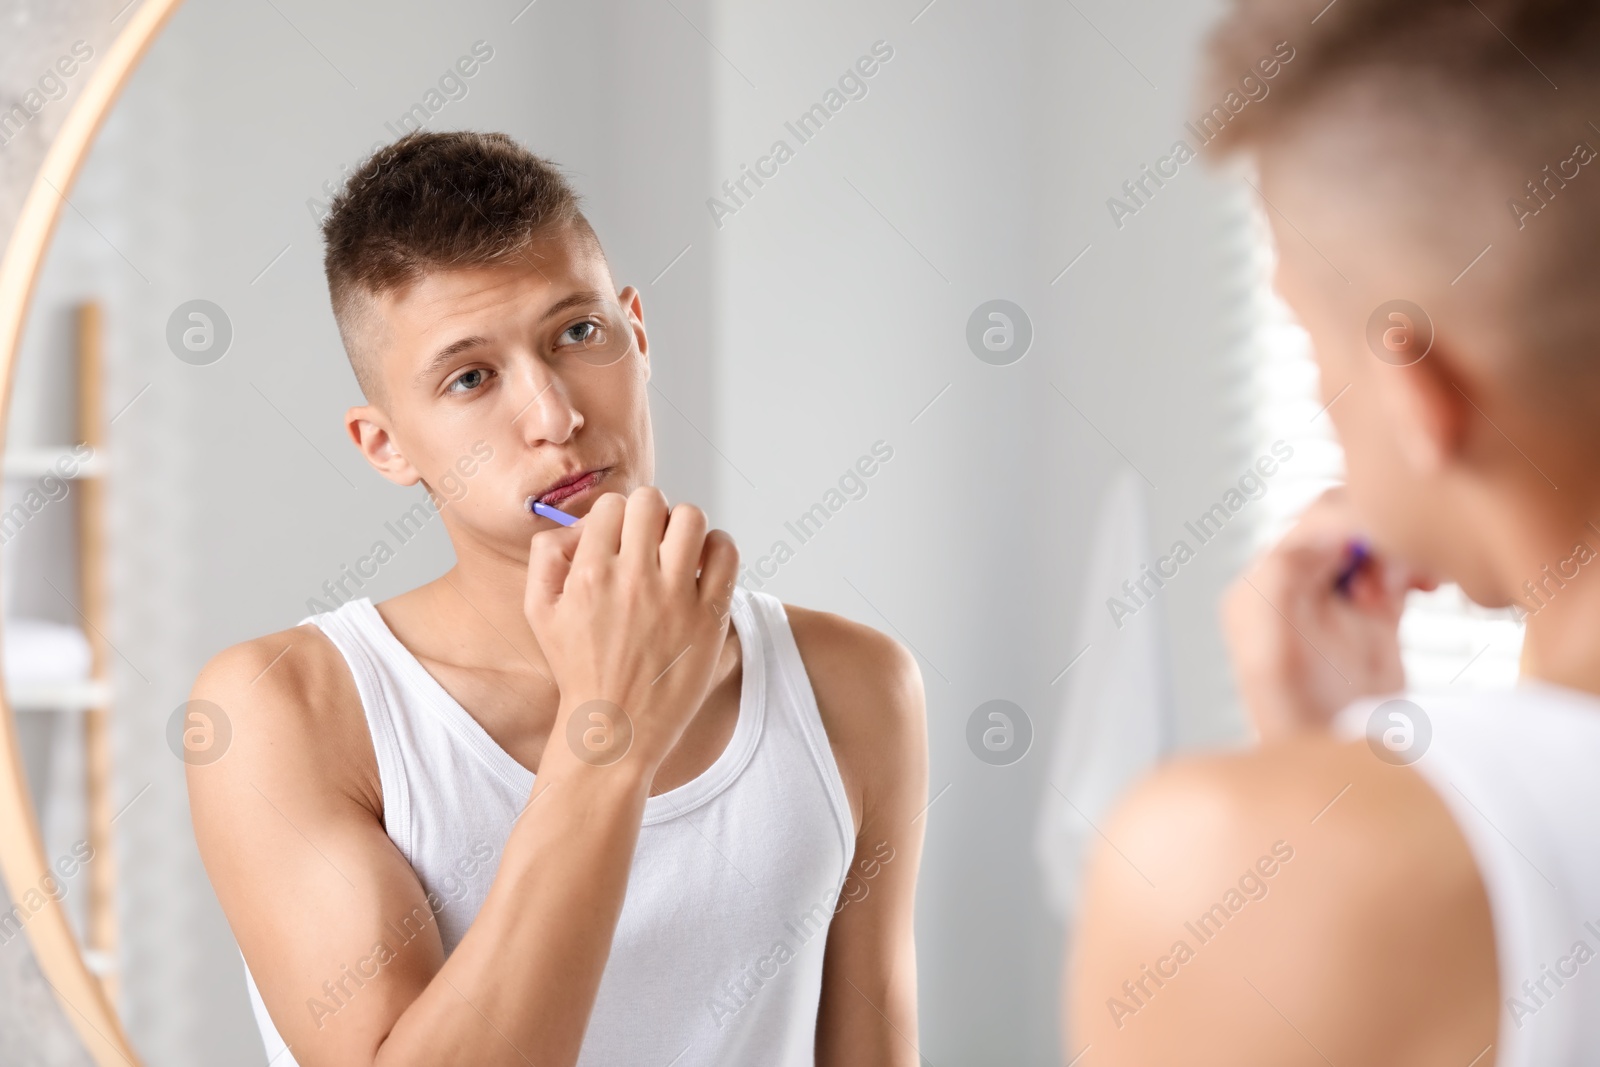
(581, 799)
(1396, 876)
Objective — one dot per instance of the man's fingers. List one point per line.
(602, 528)
(1291, 571)
(550, 555)
(719, 564)
(1330, 518)
(683, 543)
(644, 519)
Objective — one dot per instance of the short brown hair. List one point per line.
(432, 201)
(1503, 58)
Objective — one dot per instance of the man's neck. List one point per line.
(481, 600)
(1561, 643)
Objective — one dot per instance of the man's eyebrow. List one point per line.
(588, 296)
(448, 353)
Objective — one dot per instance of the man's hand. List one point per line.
(1302, 649)
(630, 607)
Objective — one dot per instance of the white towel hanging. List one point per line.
(1115, 717)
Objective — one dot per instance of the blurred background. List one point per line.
(938, 267)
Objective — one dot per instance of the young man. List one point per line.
(580, 799)
(1411, 882)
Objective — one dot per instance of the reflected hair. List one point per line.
(1441, 44)
(1453, 124)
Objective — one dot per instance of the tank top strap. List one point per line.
(349, 627)
(795, 700)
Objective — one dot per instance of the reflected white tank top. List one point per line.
(717, 956)
(1518, 770)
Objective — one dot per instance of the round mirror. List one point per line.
(58, 689)
(869, 285)
(177, 389)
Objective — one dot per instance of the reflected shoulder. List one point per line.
(1305, 880)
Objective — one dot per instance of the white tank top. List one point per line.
(717, 956)
(1519, 770)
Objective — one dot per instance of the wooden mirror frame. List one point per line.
(22, 859)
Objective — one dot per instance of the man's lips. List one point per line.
(571, 486)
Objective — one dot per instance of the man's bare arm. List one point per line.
(869, 691)
(1300, 905)
(317, 892)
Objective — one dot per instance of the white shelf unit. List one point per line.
(88, 699)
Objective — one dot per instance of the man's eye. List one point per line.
(582, 333)
(468, 381)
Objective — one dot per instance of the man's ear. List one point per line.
(631, 303)
(369, 429)
(1426, 407)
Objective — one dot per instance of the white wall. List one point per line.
(977, 167)
(822, 317)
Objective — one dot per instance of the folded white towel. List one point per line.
(35, 650)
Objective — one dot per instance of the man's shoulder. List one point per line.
(841, 644)
(287, 703)
(1334, 788)
(1383, 834)
(1314, 851)
(289, 665)
(869, 680)
(869, 694)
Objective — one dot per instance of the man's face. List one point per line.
(1342, 257)
(1333, 271)
(501, 382)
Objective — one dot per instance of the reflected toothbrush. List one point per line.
(1360, 553)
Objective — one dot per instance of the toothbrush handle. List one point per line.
(554, 514)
